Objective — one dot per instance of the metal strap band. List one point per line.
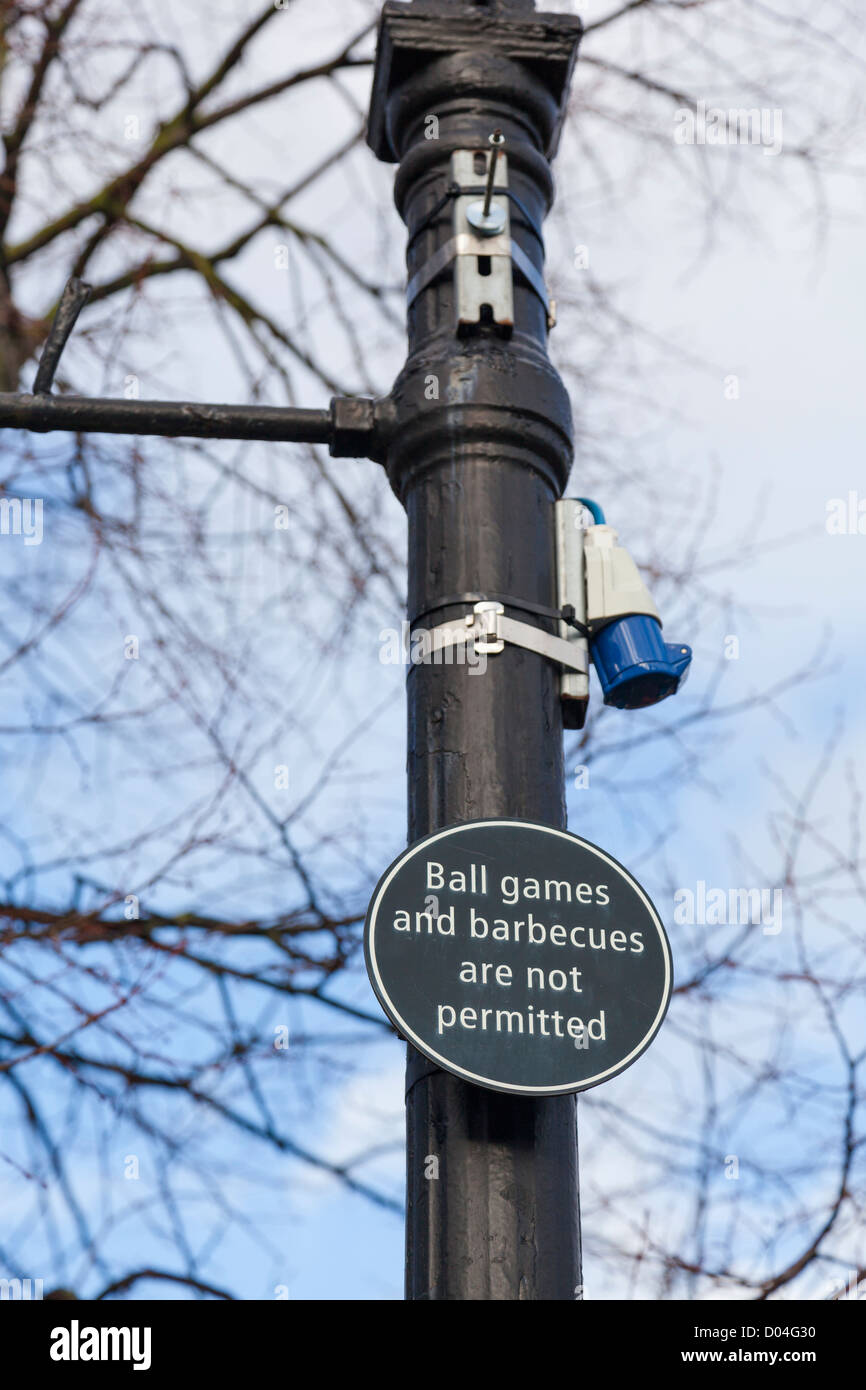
(534, 639)
(455, 190)
(562, 615)
(436, 264)
(465, 245)
(489, 630)
(533, 277)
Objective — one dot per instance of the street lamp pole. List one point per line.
(479, 450)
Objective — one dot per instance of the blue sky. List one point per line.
(774, 300)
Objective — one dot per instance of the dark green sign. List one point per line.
(518, 957)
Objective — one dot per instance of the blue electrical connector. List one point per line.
(635, 666)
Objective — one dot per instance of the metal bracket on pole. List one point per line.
(571, 590)
(489, 629)
(481, 249)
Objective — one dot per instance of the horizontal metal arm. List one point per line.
(83, 413)
(348, 427)
(353, 427)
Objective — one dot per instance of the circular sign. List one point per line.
(520, 958)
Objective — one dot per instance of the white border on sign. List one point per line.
(426, 1049)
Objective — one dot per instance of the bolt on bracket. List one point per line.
(482, 250)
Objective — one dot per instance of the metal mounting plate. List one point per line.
(483, 264)
(483, 275)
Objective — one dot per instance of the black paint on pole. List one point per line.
(480, 449)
